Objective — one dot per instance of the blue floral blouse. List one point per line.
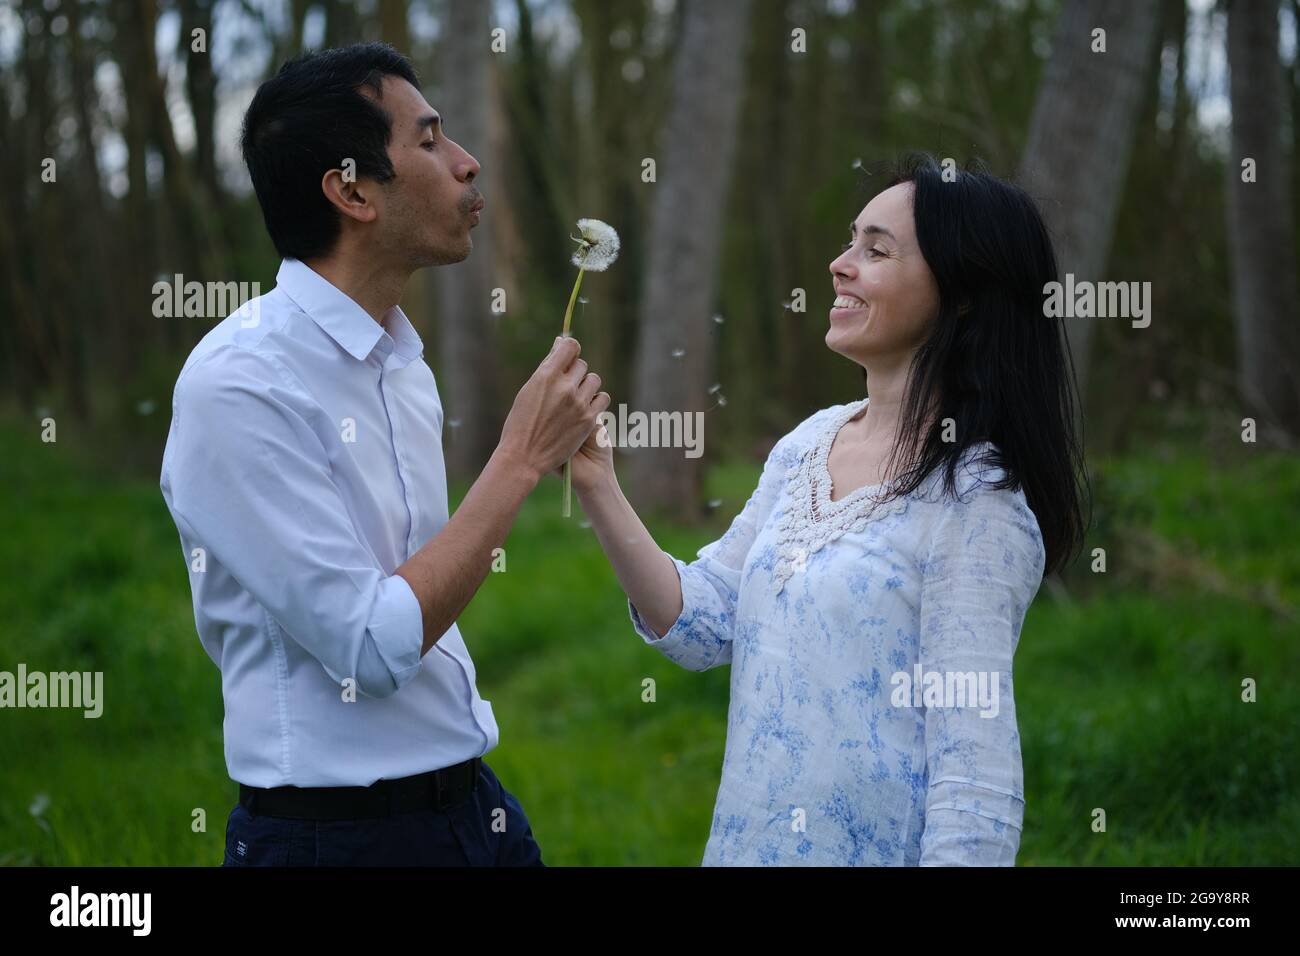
(871, 720)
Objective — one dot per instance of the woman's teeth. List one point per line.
(848, 302)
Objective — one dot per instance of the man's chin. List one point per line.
(450, 255)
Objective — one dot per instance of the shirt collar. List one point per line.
(343, 320)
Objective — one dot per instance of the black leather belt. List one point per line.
(435, 790)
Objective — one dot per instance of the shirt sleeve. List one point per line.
(985, 565)
(701, 636)
(249, 477)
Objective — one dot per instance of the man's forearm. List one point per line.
(447, 572)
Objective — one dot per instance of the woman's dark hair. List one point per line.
(993, 362)
(306, 120)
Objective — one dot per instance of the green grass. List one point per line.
(1128, 696)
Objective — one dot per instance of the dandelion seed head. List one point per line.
(597, 245)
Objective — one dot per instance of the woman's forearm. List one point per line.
(647, 574)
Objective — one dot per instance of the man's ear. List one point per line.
(348, 195)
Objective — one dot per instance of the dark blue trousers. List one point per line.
(489, 829)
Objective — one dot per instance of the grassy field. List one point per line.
(1128, 685)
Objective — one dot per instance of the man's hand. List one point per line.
(554, 411)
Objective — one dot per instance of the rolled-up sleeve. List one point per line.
(983, 568)
(249, 478)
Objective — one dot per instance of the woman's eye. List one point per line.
(875, 252)
(427, 144)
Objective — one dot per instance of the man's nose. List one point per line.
(470, 168)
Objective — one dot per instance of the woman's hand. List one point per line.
(593, 462)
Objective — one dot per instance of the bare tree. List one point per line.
(1260, 223)
(674, 346)
(1081, 135)
(467, 361)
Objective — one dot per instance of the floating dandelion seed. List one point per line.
(715, 388)
(597, 249)
(715, 503)
(718, 319)
(857, 164)
(40, 803)
(678, 353)
(146, 407)
(584, 524)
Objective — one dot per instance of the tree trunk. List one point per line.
(1260, 225)
(1081, 137)
(467, 360)
(674, 359)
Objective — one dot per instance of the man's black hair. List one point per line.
(308, 119)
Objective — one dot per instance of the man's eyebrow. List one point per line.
(870, 230)
(431, 119)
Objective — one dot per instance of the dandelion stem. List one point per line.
(573, 297)
(567, 509)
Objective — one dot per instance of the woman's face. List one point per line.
(886, 296)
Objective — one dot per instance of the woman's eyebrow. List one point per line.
(870, 230)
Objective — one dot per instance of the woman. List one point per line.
(870, 595)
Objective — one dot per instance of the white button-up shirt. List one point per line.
(303, 466)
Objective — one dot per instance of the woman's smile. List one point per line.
(846, 306)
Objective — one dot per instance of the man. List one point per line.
(304, 472)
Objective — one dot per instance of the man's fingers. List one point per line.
(563, 352)
(588, 388)
(573, 376)
(599, 404)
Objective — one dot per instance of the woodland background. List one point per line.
(771, 123)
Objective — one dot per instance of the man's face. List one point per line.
(428, 209)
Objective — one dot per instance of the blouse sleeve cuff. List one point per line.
(698, 598)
